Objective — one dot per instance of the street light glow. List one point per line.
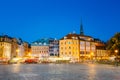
(92, 53)
(17, 50)
(116, 51)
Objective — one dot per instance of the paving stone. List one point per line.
(59, 72)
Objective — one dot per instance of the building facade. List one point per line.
(80, 47)
(76, 47)
(45, 47)
(69, 48)
(53, 47)
(101, 52)
(40, 48)
(87, 48)
(12, 47)
(22, 48)
(26, 49)
(14, 50)
(5, 47)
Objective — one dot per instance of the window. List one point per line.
(69, 53)
(69, 47)
(69, 42)
(73, 37)
(81, 52)
(65, 42)
(76, 38)
(87, 52)
(65, 53)
(65, 48)
(40, 43)
(44, 44)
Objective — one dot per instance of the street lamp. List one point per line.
(116, 51)
(92, 55)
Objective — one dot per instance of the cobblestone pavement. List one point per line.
(59, 72)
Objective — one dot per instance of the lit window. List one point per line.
(69, 53)
(69, 42)
(73, 37)
(76, 38)
(65, 42)
(69, 47)
(65, 53)
(73, 42)
(61, 53)
(65, 48)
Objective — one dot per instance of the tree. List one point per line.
(114, 44)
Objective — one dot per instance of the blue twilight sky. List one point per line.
(34, 19)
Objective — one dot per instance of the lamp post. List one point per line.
(116, 51)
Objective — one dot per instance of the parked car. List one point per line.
(31, 61)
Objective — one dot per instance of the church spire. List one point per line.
(81, 28)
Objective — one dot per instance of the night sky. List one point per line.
(35, 19)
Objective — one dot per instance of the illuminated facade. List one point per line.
(80, 47)
(5, 47)
(76, 47)
(40, 48)
(23, 49)
(101, 52)
(69, 48)
(14, 50)
(44, 48)
(26, 49)
(53, 47)
(12, 47)
(87, 47)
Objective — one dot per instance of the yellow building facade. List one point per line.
(5, 50)
(14, 50)
(10, 48)
(5, 47)
(87, 50)
(80, 47)
(69, 49)
(101, 52)
(77, 48)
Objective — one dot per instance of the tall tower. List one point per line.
(81, 28)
